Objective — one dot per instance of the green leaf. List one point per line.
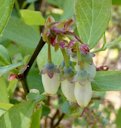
(5, 12)
(18, 116)
(45, 110)
(3, 91)
(107, 81)
(65, 107)
(118, 119)
(4, 56)
(24, 35)
(34, 80)
(32, 17)
(113, 43)
(2, 112)
(8, 68)
(42, 57)
(11, 87)
(68, 8)
(36, 119)
(5, 106)
(92, 18)
(64, 6)
(30, 1)
(35, 96)
(117, 2)
(58, 3)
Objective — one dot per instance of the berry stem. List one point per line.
(78, 53)
(66, 57)
(49, 54)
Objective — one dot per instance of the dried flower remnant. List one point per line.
(84, 49)
(50, 79)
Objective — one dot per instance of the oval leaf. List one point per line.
(107, 81)
(18, 116)
(5, 11)
(116, 2)
(8, 68)
(32, 17)
(3, 91)
(118, 119)
(36, 119)
(4, 56)
(24, 35)
(11, 87)
(115, 42)
(92, 17)
(5, 106)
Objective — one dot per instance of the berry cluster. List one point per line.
(77, 71)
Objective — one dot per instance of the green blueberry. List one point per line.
(67, 88)
(83, 93)
(51, 85)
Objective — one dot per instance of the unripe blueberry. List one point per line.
(83, 93)
(91, 70)
(67, 85)
(50, 79)
(67, 88)
(51, 85)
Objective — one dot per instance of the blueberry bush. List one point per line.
(49, 76)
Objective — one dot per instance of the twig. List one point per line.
(46, 122)
(34, 56)
(84, 110)
(25, 86)
(59, 120)
(53, 118)
(47, 117)
(22, 77)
